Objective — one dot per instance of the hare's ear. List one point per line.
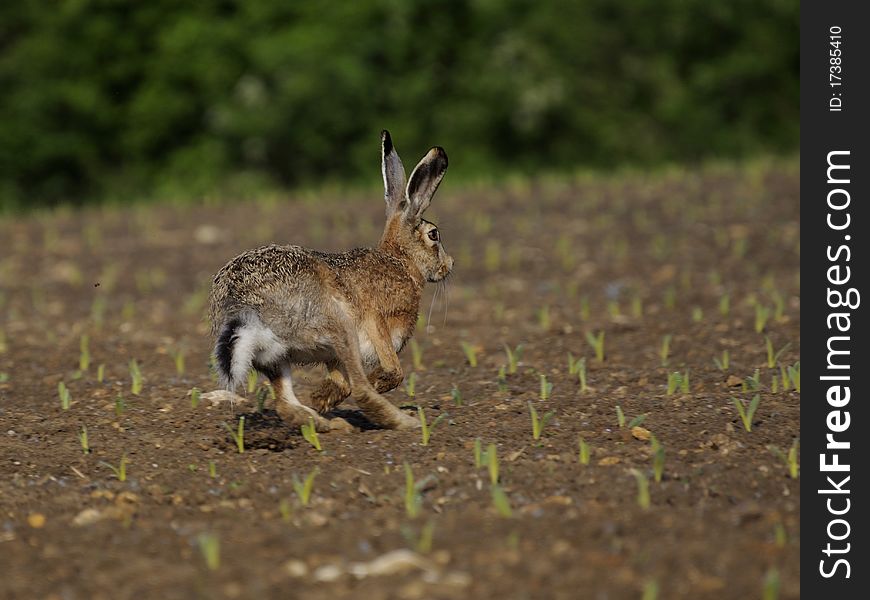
(425, 178)
(394, 174)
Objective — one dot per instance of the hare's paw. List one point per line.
(328, 396)
(339, 424)
(384, 381)
(404, 421)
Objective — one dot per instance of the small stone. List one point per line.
(733, 381)
(36, 520)
(608, 461)
(641, 433)
(296, 568)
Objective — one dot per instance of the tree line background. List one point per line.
(118, 98)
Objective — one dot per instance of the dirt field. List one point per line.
(700, 256)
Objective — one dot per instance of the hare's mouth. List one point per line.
(440, 274)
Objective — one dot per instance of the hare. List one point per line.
(277, 306)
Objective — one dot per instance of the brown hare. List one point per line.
(277, 306)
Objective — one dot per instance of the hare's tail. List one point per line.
(244, 342)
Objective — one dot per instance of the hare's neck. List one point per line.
(397, 252)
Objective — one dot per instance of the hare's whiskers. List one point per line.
(431, 304)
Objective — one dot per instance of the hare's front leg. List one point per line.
(332, 391)
(388, 374)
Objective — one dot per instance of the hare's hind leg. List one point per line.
(332, 391)
(288, 406)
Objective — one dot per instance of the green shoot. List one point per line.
(597, 343)
(135, 377)
(492, 463)
(261, 395)
(513, 357)
(309, 432)
(500, 502)
(697, 314)
(285, 509)
(784, 378)
(584, 450)
(584, 308)
(650, 590)
(665, 349)
(212, 469)
(178, 358)
(723, 364)
(544, 321)
(84, 354)
(642, 489)
(83, 440)
(636, 307)
(470, 353)
(635, 422)
(746, 415)
(478, 454)
(501, 379)
(413, 499)
(64, 395)
(411, 384)
(456, 395)
(779, 535)
(121, 470)
(572, 364)
(253, 376)
(101, 373)
(425, 428)
(790, 459)
(120, 405)
(674, 380)
(238, 435)
(753, 383)
(194, 397)
(304, 488)
(771, 585)
(794, 373)
(210, 547)
(581, 373)
(416, 355)
(538, 423)
(546, 387)
(620, 416)
(724, 305)
(613, 309)
(762, 314)
(773, 357)
(670, 297)
(778, 307)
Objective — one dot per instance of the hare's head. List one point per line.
(406, 229)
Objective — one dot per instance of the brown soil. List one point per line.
(676, 242)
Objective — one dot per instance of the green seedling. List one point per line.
(678, 380)
(584, 450)
(597, 343)
(513, 358)
(784, 378)
(135, 378)
(4, 377)
(64, 395)
(425, 428)
(723, 363)
(120, 405)
(121, 470)
(101, 373)
(746, 415)
(650, 590)
(83, 440)
(304, 488)
(538, 423)
(212, 469)
(285, 510)
(413, 499)
(416, 355)
(635, 422)
(581, 374)
(697, 314)
(584, 308)
(774, 384)
(665, 350)
(620, 416)
(470, 353)
(794, 373)
(658, 452)
(762, 314)
(456, 395)
(724, 305)
(780, 537)
(773, 357)
(309, 432)
(637, 307)
(238, 435)
(178, 358)
(501, 502)
(546, 387)
(613, 309)
(771, 585)
(84, 353)
(194, 397)
(210, 547)
(643, 499)
(421, 322)
(572, 364)
(492, 463)
(261, 395)
(501, 379)
(411, 384)
(252, 379)
(544, 321)
(684, 382)
(778, 307)
(479, 455)
(754, 382)
(790, 459)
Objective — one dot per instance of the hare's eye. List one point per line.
(433, 235)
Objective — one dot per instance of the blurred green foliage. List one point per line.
(120, 97)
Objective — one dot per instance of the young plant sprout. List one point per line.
(83, 440)
(544, 321)
(762, 314)
(309, 432)
(285, 509)
(64, 395)
(456, 395)
(746, 415)
(252, 381)
(210, 547)
(416, 355)
(665, 349)
(479, 455)
(697, 314)
(304, 488)
(581, 374)
(773, 357)
(84, 354)
(754, 382)
(413, 499)
(771, 585)
(650, 590)
(212, 469)
(620, 416)
(642, 489)
(724, 305)
(492, 463)
(584, 450)
(597, 343)
(538, 423)
(411, 384)
(470, 353)
(637, 307)
(584, 308)
(500, 502)
(194, 397)
(178, 358)
(635, 422)
(135, 378)
(778, 307)
(613, 309)
(513, 358)
(238, 435)
(790, 459)
(779, 535)
(101, 373)
(121, 470)
(120, 405)
(794, 373)
(723, 363)
(261, 395)
(546, 387)
(501, 379)
(425, 428)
